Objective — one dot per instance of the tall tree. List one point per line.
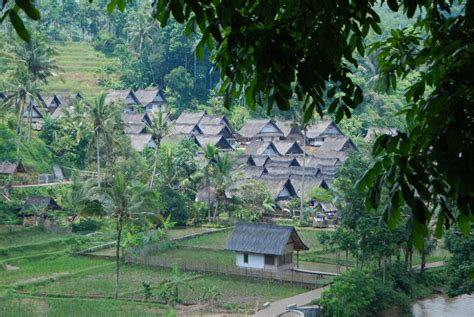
(159, 127)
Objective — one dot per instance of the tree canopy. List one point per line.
(271, 51)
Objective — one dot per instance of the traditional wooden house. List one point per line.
(218, 141)
(186, 129)
(10, 168)
(152, 99)
(260, 160)
(136, 117)
(135, 128)
(290, 132)
(258, 148)
(51, 102)
(214, 130)
(140, 142)
(254, 171)
(265, 246)
(310, 183)
(242, 160)
(35, 115)
(67, 102)
(283, 162)
(188, 117)
(288, 148)
(336, 147)
(280, 187)
(127, 97)
(260, 129)
(317, 133)
(37, 209)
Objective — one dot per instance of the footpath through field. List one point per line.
(279, 306)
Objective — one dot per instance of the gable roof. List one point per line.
(140, 141)
(282, 161)
(319, 129)
(254, 127)
(208, 129)
(188, 117)
(182, 128)
(218, 141)
(134, 128)
(337, 143)
(261, 148)
(121, 96)
(244, 160)
(38, 203)
(215, 120)
(147, 96)
(287, 128)
(253, 171)
(277, 184)
(175, 138)
(310, 182)
(135, 117)
(9, 168)
(288, 147)
(260, 160)
(263, 239)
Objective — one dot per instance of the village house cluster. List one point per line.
(274, 152)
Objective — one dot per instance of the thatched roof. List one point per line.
(49, 101)
(149, 96)
(121, 96)
(9, 168)
(261, 148)
(254, 171)
(373, 133)
(175, 138)
(337, 143)
(280, 187)
(35, 204)
(218, 141)
(287, 128)
(260, 160)
(190, 129)
(310, 182)
(136, 117)
(243, 160)
(254, 127)
(134, 128)
(288, 147)
(215, 120)
(282, 161)
(263, 239)
(140, 141)
(208, 129)
(188, 117)
(321, 128)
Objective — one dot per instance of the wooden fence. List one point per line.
(290, 276)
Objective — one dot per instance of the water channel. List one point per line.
(443, 306)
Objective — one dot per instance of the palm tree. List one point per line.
(158, 130)
(172, 284)
(204, 177)
(125, 201)
(21, 93)
(222, 178)
(101, 118)
(77, 200)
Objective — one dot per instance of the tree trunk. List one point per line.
(347, 259)
(209, 202)
(154, 167)
(97, 151)
(423, 262)
(302, 176)
(117, 258)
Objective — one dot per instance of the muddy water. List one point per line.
(443, 306)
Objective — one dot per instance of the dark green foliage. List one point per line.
(172, 203)
(461, 263)
(86, 225)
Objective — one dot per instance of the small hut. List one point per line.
(36, 208)
(9, 168)
(265, 246)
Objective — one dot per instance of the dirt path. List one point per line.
(279, 306)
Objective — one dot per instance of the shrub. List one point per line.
(86, 225)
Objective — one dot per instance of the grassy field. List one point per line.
(79, 63)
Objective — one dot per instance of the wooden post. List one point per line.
(297, 259)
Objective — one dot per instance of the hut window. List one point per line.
(246, 258)
(285, 259)
(269, 260)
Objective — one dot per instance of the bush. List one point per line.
(86, 225)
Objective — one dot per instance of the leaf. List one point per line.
(111, 6)
(19, 26)
(464, 224)
(29, 9)
(439, 225)
(393, 5)
(420, 211)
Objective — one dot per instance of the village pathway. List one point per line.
(279, 306)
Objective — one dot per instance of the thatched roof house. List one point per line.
(208, 129)
(141, 141)
(260, 160)
(265, 246)
(188, 117)
(288, 147)
(310, 182)
(134, 128)
(218, 141)
(38, 204)
(136, 117)
(254, 171)
(175, 138)
(11, 168)
(280, 187)
(290, 132)
(261, 148)
(151, 99)
(125, 96)
(317, 133)
(188, 129)
(260, 129)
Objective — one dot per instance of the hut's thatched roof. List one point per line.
(254, 171)
(35, 204)
(254, 127)
(140, 141)
(310, 182)
(288, 147)
(337, 143)
(148, 96)
(373, 133)
(136, 117)
(188, 117)
(319, 128)
(218, 141)
(278, 184)
(208, 129)
(175, 138)
(261, 148)
(121, 96)
(134, 128)
(181, 128)
(260, 160)
(263, 239)
(215, 120)
(9, 167)
(287, 128)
